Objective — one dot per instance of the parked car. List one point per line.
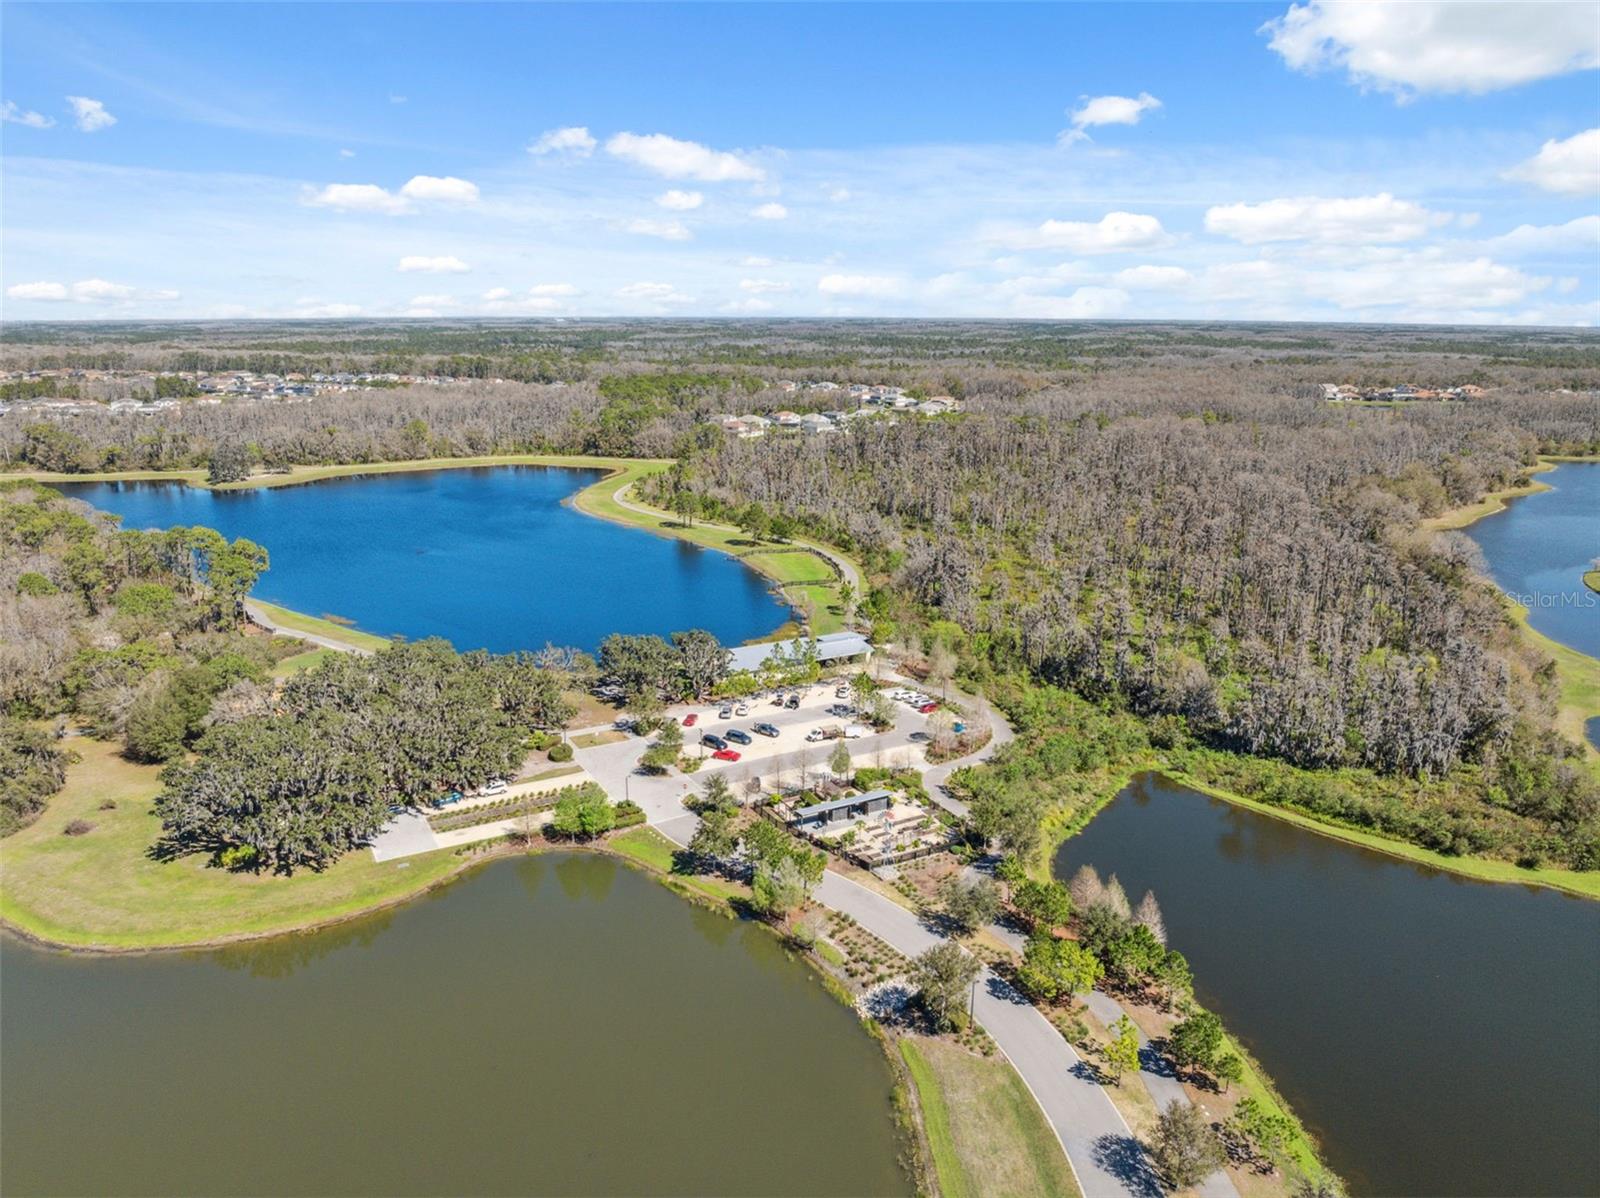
(625, 724)
(792, 702)
(828, 733)
(726, 755)
(725, 714)
(777, 699)
(958, 727)
(842, 693)
(495, 786)
(928, 708)
(716, 742)
(920, 737)
(765, 729)
(738, 736)
(690, 720)
(742, 710)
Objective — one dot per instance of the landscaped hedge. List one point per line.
(560, 752)
(629, 814)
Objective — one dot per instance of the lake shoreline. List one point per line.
(598, 500)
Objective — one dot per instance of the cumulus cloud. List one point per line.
(497, 293)
(667, 230)
(755, 262)
(434, 301)
(1570, 167)
(747, 305)
(763, 286)
(868, 285)
(1437, 45)
(447, 189)
(680, 201)
(573, 141)
(1107, 110)
(1362, 220)
(358, 197)
(11, 114)
(1581, 234)
(90, 115)
(420, 264)
(1086, 303)
(347, 153)
(310, 309)
(1152, 278)
(675, 159)
(38, 291)
(1115, 232)
(658, 293)
(772, 211)
(549, 289)
(88, 291)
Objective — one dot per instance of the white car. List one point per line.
(495, 786)
(742, 710)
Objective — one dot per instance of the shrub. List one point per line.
(33, 583)
(109, 805)
(561, 752)
(239, 857)
(78, 827)
(629, 814)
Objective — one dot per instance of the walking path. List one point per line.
(847, 570)
(260, 617)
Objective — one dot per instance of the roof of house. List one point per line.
(817, 809)
(829, 648)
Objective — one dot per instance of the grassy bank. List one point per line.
(1591, 579)
(294, 621)
(103, 890)
(1494, 501)
(986, 1134)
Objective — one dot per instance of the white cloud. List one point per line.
(873, 285)
(677, 159)
(1086, 303)
(1581, 234)
(447, 190)
(680, 201)
(347, 153)
(1437, 45)
(667, 230)
(1152, 278)
(547, 289)
(772, 211)
(11, 114)
(1116, 232)
(497, 293)
(747, 305)
(763, 286)
(317, 310)
(574, 140)
(90, 115)
(1435, 280)
(1357, 220)
(88, 291)
(659, 293)
(756, 263)
(394, 99)
(420, 264)
(1107, 110)
(434, 301)
(839, 194)
(99, 291)
(357, 197)
(1570, 167)
(52, 292)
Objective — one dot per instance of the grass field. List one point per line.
(1591, 579)
(986, 1134)
(284, 618)
(103, 890)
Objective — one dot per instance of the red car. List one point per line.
(726, 755)
(927, 707)
(691, 719)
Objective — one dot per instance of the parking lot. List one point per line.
(763, 759)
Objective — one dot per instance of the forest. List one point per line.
(1162, 521)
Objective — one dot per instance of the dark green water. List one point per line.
(1440, 1036)
(547, 1025)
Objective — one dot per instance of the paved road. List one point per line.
(1102, 1150)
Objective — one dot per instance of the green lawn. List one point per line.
(300, 622)
(308, 660)
(1591, 579)
(986, 1133)
(103, 890)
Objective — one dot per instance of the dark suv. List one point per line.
(738, 736)
(715, 742)
(765, 729)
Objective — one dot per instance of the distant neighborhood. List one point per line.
(1345, 393)
(867, 400)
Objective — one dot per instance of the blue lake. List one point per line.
(487, 558)
(1539, 548)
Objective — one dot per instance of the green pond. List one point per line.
(545, 1025)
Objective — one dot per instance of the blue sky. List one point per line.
(1322, 160)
